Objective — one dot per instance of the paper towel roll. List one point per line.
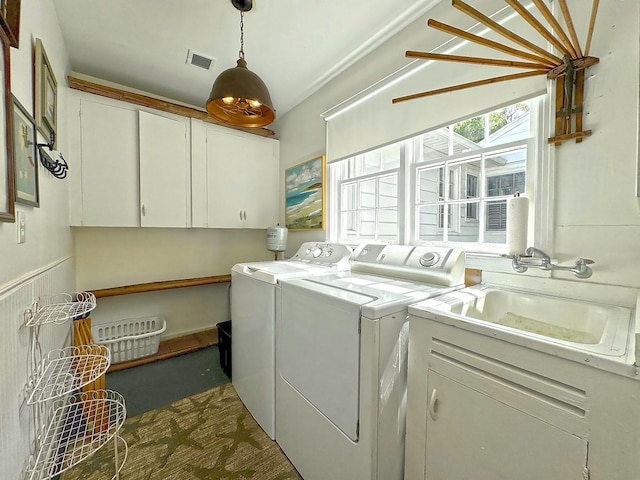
(517, 221)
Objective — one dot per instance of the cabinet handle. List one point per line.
(143, 210)
(240, 214)
(245, 215)
(432, 404)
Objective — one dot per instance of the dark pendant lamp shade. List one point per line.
(239, 97)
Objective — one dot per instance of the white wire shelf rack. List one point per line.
(60, 307)
(66, 370)
(80, 425)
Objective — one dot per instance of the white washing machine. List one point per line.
(253, 311)
(342, 357)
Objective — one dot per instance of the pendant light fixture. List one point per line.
(239, 97)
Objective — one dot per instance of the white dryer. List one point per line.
(342, 358)
(253, 311)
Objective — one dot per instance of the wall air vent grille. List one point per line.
(199, 60)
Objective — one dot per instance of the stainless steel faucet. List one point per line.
(580, 269)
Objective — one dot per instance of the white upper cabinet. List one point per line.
(165, 196)
(129, 167)
(241, 172)
(108, 149)
(133, 166)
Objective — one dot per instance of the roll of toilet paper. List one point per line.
(517, 221)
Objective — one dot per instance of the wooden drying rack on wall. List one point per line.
(568, 70)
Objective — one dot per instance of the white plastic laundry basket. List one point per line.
(130, 338)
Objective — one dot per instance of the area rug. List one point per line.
(209, 436)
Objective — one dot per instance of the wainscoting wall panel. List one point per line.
(17, 360)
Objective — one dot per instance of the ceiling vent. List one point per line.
(199, 60)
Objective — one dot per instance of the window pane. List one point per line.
(467, 229)
(372, 162)
(428, 223)
(454, 183)
(496, 221)
(470, 129)
(348, 197)
(368, 194)
(470, 211)
(391, 156)
(348, 225)
(430, 184)
(388, 191)
(435, 144)
(507, 184)
(509, 124)
(388, 224)
(367, 226)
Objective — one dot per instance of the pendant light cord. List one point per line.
(241, 34)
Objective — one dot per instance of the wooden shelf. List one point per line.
(157, 104)
(166, 285)
(174, 347)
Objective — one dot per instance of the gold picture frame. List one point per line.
(45, 96)
(305, 196)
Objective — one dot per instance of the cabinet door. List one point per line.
(226, 167)
(164, 179)
(109, 142)
(261, 176)
(472, 435)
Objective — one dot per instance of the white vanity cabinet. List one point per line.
(471, 434)
(128, 167)
(483, 408)
(234, 177)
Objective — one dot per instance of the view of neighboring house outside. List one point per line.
(462, 175)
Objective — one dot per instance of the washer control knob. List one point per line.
(429, 259)
(328, 252)
(308, 251)
(316, 252)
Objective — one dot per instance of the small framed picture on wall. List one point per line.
(25, 155)
(305, 195)
(46, 96)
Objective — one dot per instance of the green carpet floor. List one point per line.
(157, 384)
(207, 436)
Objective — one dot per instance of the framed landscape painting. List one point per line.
(305, 195)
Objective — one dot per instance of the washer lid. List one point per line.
(387, 295)
(271, 272)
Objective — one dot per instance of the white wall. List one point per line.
(597, 214)
(42, 265)
(48, 236)
(112, 257)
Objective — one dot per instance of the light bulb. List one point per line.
(228, 100)
(254, 103)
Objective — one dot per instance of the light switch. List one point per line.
(20, 226)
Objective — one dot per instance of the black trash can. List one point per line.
(224, 346)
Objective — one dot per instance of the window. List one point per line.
(457, 180)
(368, 195)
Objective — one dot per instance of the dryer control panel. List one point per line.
(437, 265)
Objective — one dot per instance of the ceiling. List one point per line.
(295, 46)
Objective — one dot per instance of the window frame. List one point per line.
(540, 183)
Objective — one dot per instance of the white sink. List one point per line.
(566, 326)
